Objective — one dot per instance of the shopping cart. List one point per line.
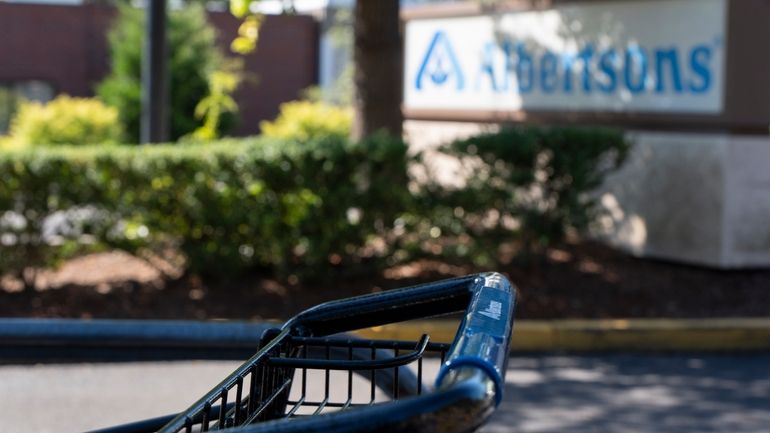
(272, 391)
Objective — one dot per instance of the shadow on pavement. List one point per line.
(636, 393)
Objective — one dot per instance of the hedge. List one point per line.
(526, 187)
(228, 207)
(301, 207)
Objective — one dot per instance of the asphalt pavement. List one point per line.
(578, 394)
(636, 393)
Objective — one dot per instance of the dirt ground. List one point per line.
(578, 280)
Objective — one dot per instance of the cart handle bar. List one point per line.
(481, 342)
(351, 364)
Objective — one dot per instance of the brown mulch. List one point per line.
(578, 280)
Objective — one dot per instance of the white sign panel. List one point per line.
(652, 56)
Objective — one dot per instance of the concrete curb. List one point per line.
(654, 335)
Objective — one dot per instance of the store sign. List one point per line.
(646, 56)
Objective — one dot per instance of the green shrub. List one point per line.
(8, 143)
(305, 207)
(305, 120)
(65, 120)
(193, 57)
(228, 206)
(219, 102)
(527, 185)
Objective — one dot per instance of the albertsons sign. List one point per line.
(655, 56)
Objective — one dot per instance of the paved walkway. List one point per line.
(613, 393)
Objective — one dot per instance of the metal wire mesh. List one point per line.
(286, 381)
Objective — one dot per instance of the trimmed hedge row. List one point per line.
(228, 206)
(299, 207)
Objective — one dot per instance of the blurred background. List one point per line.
(319, 149)
(247, 159)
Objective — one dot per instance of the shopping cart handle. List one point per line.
(483, 337)
(484, 334)
(417, 302)
(469, 384)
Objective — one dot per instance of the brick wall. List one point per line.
(66, 46)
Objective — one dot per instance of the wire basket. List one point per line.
(306, 378)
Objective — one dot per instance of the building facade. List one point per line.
(684, 78)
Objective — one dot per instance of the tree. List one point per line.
(377, 55)
(193, 57)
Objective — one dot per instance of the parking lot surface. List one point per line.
(610, 393)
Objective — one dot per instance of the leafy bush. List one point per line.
(7, 143)
(304, 120)
(193, 57)
(65, 120)
(529, 185)
(305, 207)
(215, 106)
(229, 206)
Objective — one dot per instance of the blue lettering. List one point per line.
(549, 65)
(585, 56)
(488, 66)
(607, 66)
(597, 70)
(699, 63)
(510, 66)
(670, 56)
(524, 62)
(635, 55)
(568, 59)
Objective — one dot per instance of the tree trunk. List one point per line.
(378, 68)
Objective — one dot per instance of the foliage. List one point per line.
(530, 185)
(340, 33)
(305, 120)
(229, 206)
(193, 58)
(248, 34)
(219, 102)
(65, 120)
(8, 143)
(8, 102)
(248, 31)
(305, 207)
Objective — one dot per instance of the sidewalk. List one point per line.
(609, 393)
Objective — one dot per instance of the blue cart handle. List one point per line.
(484, 335)
(481, 342)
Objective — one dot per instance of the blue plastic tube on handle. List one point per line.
(484, 335)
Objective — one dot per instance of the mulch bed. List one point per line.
(575, 280)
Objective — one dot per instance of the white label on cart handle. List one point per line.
(493, 310)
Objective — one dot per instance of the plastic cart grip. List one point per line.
(483, 338)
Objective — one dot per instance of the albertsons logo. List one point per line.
(440, 64)
(514, 67)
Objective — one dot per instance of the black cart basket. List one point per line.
(302, 377)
